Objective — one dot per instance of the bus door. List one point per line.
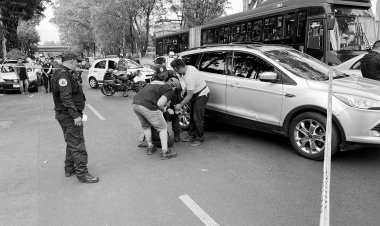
(315, 39)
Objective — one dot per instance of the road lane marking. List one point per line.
(198, 211)
(96, 112)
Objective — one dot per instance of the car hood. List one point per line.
(147, 70)
(9, 75)
(352, 85)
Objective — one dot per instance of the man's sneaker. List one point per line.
(197, 141)
(88, 179)
(188, 139)
(26, 93)
(177, 138)
(143, 144)
(70, 174)
(168, 154)
(150, 150)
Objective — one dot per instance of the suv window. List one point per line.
(112, 64)
(101, 64)
(133, 65)
(191, 59)
(357, 65)
(215, 62)
(247, 65)
(159, 60)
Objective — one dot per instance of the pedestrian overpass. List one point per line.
(49, 51)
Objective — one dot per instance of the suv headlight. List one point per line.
(359, 102)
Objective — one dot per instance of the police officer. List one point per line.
(69, 102)
(47, 70)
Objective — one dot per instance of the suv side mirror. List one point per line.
(268, 76)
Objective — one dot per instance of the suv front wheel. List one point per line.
(307, 134)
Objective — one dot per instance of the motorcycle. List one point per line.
(121, 82)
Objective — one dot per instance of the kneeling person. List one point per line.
(149, 105)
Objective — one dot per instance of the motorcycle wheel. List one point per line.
(139, 85)
(107, 90)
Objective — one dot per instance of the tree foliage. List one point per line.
(198, 12)
(123, 26)
(13, 11)
(73, 18)
(28, 36)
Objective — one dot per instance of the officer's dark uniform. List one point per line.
(69, 102)
(370, 65)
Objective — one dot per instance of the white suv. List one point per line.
(278, 89)
(99, 68)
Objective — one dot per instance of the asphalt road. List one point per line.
(238, 177)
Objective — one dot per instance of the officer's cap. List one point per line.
(70, 56)
(161, 69)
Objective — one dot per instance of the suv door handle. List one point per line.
(235, 85)
(289, 95)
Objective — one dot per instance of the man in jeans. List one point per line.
(149, 105)
(22, 76)
(197, 97)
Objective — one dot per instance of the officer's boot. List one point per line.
(88, 178)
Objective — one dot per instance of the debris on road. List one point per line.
(5, 124)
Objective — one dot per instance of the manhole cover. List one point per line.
(5, 124)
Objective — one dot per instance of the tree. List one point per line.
(28, 36)
(12, 11)
(198, 12)
(73, 19)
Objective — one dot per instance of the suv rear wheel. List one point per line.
(307, 134)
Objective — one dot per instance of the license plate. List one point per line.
(16, 86)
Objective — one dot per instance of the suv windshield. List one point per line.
(300, 64)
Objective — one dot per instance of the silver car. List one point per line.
(278, 89)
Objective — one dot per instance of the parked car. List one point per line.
(99, 68)
(351, 66)
(278, 89)
(164, 60)
(9, 80)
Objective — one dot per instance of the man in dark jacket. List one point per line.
(69, 102)
(370, 63)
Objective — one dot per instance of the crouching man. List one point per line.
(149, 105)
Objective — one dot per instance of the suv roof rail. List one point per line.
(248, 44)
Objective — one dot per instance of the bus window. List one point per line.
(289, 28)
(249, 32)
(315, 39)
(277, 31)
(273, 29)
(216, 36)
(234, 33)
(210, 36)
(221, 35)
(257, 30)
(227, 34)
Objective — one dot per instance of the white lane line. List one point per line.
(198, 211)
(96, 112)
